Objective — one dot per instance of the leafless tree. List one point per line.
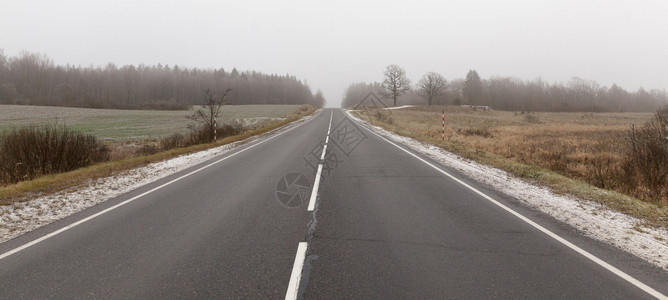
(585, 91)
(396, 83)
(431, 86)
(203, 118)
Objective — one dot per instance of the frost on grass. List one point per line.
(594, 219)
(21, 217)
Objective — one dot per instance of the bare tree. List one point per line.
(396, 83)
(203, 118)
(584, 91)
(431, 86)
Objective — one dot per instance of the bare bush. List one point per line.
(229, 130)
(199, 135)
(483, 132)
(531, 118)
(383, 116)
(148, 149)
(176, 140)
(30, 152)
(647, 155)
(599, 171)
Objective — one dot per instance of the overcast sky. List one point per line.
(331, 44)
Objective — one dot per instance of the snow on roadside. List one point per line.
(592, 218)
(22, 217)
(398, 107)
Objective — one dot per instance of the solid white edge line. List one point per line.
(77, 223)
(314, 192)
(563, 241)
(293, 286)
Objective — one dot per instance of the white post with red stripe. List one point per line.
(215, 135)
(443, 132)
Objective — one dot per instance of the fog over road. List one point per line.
(386, 223)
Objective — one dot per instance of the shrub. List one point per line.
(379, 114)
(647, 156)
(533, 119)
(229, 130)
(383, 116)
(483, 132)
(199, 135)
(203, 134)
(176, 140)
(148, 149)
(305, 108)
(34, 151)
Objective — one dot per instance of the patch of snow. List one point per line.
(21, 217)
(594, 219)
(398, 107)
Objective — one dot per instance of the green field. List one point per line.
(127, 125)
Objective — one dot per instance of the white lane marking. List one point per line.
(61, 230)
(314, 192)
(293, 286)
(330, 121)
(316, 183)
(566, 243)
(329, 127)
(324, 150)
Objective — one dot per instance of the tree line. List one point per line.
(34, 79)
(507, 93)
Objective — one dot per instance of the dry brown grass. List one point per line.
(574, 153)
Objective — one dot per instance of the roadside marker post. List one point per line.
(215, 135)
(443, 132)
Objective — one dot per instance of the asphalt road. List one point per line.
(386, 225)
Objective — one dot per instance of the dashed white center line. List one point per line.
(314, 192)
(330, 122)
(295, 277)
(324, 150)
(293, 286)
(316, 183)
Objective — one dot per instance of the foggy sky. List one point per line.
(331, 44)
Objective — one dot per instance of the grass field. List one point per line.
(130, 125)
(25, 190)
(574, 153)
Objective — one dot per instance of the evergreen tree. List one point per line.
(473, 88)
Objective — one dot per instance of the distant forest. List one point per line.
(33, 79)
(507, 93)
